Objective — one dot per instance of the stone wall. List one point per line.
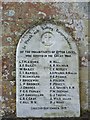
(17, 17)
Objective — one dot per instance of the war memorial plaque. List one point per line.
(47, 73)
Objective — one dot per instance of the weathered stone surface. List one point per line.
(47, 73)
(74, 16)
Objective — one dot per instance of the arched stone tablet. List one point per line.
(47, 73)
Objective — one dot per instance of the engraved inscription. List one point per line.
(47, 73)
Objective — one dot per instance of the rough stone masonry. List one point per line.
(17, 17)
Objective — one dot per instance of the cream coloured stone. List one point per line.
(47, 73)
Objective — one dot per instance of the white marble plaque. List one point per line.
(47, 73)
